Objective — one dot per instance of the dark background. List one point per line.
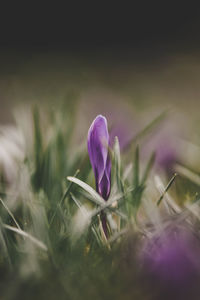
(144, 28)
(144, 52)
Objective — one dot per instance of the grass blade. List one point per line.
(10, 213)
(96, 198)
(27, 235)
(136, 168)
(192, 176)
(63, 198)
(166, 189)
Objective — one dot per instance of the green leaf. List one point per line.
(136, 168)
(117, 165)
(117, 158)
(10, 213)
(4, 248)
(137, 196)
(96, 198)
(38, 150)
(63, 198)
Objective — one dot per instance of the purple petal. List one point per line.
(98, 141)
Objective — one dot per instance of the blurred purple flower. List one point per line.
(166, 155)
(98, 142)
(172, 258)
(124, 134)
(167, 150)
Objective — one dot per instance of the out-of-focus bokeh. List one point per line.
(140, 68)
(145, 59)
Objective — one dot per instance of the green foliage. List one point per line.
(51, 239)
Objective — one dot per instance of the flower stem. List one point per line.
(104, 223)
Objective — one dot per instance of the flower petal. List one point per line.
(98, 141)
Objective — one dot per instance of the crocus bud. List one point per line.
(98, 142)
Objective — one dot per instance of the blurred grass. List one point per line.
(66, 94)
(82, 268)
(171, 80)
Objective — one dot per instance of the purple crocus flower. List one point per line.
(98, 142)
(172, 260)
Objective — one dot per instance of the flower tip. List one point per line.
(100, 118)
(99, 124)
